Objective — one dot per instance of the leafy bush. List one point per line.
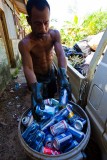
(95, 23)
(72, 32)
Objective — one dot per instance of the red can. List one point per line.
(49, 151)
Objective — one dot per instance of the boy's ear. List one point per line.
(28, 20)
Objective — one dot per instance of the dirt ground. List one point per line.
(13, 102)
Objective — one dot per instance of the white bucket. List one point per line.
(74, 154)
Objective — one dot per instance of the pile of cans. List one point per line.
(57, 134)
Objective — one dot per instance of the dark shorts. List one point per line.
(49, 83)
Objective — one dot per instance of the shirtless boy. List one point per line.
(37, 53)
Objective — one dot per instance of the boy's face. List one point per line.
(39, 21)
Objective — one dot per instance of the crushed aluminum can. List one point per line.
(28, 119)
(59, 128)
(48, 142)
(61, 140)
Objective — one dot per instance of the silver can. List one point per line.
(61, 140)
(59, 128)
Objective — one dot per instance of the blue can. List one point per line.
(71, 145)
(30, 130)
(71, 116)
(79, 124)
(46, 125)
(47, 111)
(61, 115)
(75, 120)
(69, 107)
(78, 135)
(63, 99)
(17, 86)
(28, 119)
(25, 121)
(48, 142)
(37, 141)
(59, 128)
(54, 102)
(61, 140)
(58, 117)
(38, 147)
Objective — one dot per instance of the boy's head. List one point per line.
(38, 4)
(38, 16)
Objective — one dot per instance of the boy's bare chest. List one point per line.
(41, 47)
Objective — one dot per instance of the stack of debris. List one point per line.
(81, 53)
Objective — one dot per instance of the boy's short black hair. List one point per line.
(39, 4)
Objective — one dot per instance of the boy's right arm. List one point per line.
(29, 72)
(27, 63)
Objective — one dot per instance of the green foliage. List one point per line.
(72, 32)
(95, 23)
(24, 23)
(14, 73)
